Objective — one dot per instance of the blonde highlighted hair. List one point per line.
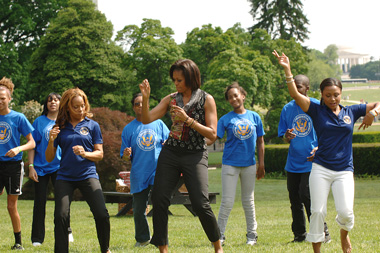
(64, 115)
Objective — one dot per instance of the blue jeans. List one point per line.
(140, 203)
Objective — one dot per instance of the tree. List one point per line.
(202, 45)
(23, 23)
(283, 19)
(370, 70)
(323, 65)
(77, 51)
(150, 50)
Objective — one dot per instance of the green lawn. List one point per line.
(186, 234)
(369, 95)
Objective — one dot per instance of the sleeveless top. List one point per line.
(181, 136)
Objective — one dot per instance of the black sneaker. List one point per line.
(327, 235)
(17, 247)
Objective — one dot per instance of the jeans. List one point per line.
(299, 196)
(140, 203)
(343, 189)
(194, 167)
(92, 192)
(230, 177)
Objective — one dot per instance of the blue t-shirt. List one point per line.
(335, 135)
(242, 132)
(74, 167)
(300, 147)
(12, 126)
(146, 143)
(42, 126)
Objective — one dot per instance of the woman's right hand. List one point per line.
(283, 60)
(54, 133)
(145, 88)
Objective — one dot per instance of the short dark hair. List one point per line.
(45, 110)
(234, 85)
(190, 71)
(302, 79)
(134, 97)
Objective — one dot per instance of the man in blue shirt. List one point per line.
(142, 145)
(296, 127)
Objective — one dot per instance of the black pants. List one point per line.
(299, 196)
(194, 167)
(92, 192)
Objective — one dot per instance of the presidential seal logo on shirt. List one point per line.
(243, 129)
(47, 131)
(84, 131)
(302, 125)
(347, 119)
(146, 140)
(5, 132)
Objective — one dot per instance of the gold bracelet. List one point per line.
(186, 120)
(191, 123)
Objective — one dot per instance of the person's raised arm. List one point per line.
(301, 100)
(158, 111)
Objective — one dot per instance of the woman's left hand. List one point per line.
(79, 150)
(179, 112)
(13, 152)
(260, 172)
(367, 121)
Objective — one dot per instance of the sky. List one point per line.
(348, 23)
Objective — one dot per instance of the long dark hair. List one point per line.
(190, 71)
(329, 82)
(45, 110)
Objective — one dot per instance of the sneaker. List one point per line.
(71, 237)
(327, 238)
(298, 239)
(251, 241)
(17, 247)
(35, 244)
(142, 244)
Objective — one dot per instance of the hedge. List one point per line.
(366, 137)
(365, 158)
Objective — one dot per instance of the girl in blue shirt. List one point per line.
(40, 171)
(82, 145)
(244, 131)
(332, 166)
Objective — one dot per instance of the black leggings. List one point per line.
(194, 167)
(92, 192)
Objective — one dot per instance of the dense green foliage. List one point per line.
(77, 51)
(366, 137)
(370, 70)
(282, 19)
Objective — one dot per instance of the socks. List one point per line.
(18, 237)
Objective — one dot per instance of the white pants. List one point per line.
(230, 176)
(343, 189)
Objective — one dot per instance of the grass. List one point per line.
(369, 95)
(186, 234)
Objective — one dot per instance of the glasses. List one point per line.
(138, 104)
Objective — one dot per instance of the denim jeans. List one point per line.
(140, 203)
(230, 177)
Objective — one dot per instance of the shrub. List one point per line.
(366, 137)
(31, 109)
(111, 124)
(364, 154)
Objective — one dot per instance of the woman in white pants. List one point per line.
(333, 163)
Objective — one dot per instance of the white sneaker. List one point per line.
(36, 244)
(251, 241)
(71, 237)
